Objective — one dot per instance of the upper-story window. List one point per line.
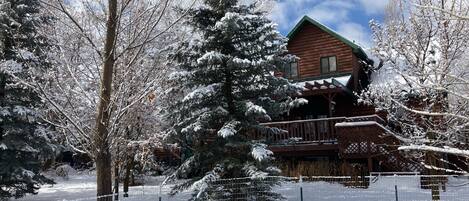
(291, 70)
(328, 64)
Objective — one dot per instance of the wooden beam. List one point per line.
(321, 92)
(370, 164)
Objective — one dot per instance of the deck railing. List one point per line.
(311, 130)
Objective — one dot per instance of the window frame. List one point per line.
(328, 64)
(287, 71)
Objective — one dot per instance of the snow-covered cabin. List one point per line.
(333, 128)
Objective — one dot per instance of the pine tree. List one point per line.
(225, 78)
(23, 139)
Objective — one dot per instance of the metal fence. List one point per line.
(375, 187)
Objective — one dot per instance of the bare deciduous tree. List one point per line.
(423, 84)
(108, 65)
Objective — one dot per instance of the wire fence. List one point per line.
(374, 187)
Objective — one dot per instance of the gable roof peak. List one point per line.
(306, 19)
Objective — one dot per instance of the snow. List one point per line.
(11, 67)
(448, 150)
(202, 184)
(210, 58)
(3, 146)
(342, 80)
(298, 102)
(371, 123)
(254, 172)
(382, 188)
(201, 92)
(22, 111)
(82, 187)
(253, 109)
(228, 129)
(260, 152)
(354, 124)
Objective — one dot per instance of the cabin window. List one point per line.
(328, 64)
(291, 70)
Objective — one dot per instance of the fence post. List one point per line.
(301, 188)
(159, 194)
(395, 187)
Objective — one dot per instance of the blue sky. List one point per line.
(347, 17)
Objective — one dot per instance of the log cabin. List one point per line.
(333, 131)
(333, 134)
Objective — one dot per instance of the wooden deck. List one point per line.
(311, 136)
(349, 138)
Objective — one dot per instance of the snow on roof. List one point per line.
(343, 79)
(334, 81)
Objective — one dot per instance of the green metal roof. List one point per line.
(355, 48)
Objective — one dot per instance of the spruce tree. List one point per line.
(225, 78)
(23, 139)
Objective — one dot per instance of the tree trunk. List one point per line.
(116, 181)
(101, 137)
(3, 82)
(103, 176)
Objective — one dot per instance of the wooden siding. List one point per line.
(312, 43)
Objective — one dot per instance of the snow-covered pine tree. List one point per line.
(22, 138)
(225, 78)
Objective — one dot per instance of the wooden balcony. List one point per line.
(305, 131)
(312, 136)
(321, 131)
(350, 138)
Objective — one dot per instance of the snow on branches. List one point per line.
(224, 88)
(423, 83)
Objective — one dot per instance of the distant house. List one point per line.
(333, 130)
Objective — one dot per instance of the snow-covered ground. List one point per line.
(382, 189)
(82, 187)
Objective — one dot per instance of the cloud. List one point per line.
(287, 12)
(373, 7)
(331, 12)
(341, 15)
(355, 32)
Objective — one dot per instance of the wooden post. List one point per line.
(370, 164)
(370, 160)
(301, 188)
